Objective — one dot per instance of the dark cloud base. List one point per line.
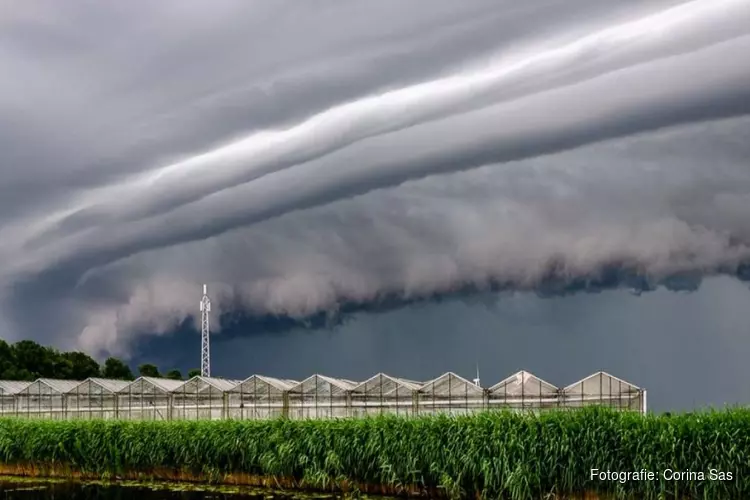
(239, 322)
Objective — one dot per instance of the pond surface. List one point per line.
(38, 489)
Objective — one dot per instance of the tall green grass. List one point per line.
(499, 455)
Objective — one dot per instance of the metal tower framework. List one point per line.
(205, 347)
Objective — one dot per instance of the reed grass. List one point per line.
(492, 455)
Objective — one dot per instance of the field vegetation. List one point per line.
(492, 455)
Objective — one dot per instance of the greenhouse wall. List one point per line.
(603, 389)
(383, 394)
(146, 398)
(44, 398)
(94, 398)
(201, 398)
(452, 394)
(9, 390)
(258, 398)
(319, 396)
(523, 391)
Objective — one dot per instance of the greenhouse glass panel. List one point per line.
(146, 398)
(259, 397)
(94, 398)
(9, 390)
(523, 390)
(44, 398)
(604, 389)
(450, 393)
(319, 396)
(203, 398)
(382, 394)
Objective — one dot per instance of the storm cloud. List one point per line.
(357, 160)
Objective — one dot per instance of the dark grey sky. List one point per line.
(303, 157)
(688, 349)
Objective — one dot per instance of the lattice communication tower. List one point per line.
(205, 347)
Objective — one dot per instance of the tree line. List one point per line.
(27, 361)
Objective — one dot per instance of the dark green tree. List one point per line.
(62, 367)
(82, 366)
(36, 360)
(27, 360)
(193, 373)
(116, 369)
(7, 362)
(148, 370)
(174, 374)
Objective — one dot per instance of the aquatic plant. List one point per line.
(495, 455)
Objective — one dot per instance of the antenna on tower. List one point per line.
(205, 306)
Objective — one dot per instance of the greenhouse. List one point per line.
(318, 396)
(201, 398)
(604, 389)
(9, 390)
(44, 398)
(259, 397)
(523, 390)
(382, 393)
(146, 398)
(94, 398)
(450, 393)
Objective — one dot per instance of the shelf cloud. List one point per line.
(305, 171)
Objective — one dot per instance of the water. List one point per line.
(13, 489)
